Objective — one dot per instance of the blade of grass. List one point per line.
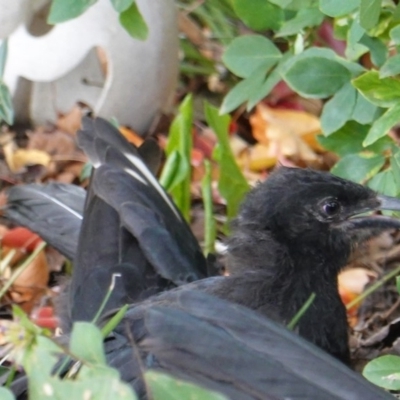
(373, 287)
(210, 230)
(295, 320)
(22, 268)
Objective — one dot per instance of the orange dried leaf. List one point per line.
(289, 133)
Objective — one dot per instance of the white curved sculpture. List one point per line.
(64, 67)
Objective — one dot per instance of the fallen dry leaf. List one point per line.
(352, 283)
(288, 133)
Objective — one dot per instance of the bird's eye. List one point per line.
(331, 208)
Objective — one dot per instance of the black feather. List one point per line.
(53, 211)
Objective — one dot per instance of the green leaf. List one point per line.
(6, 394)
(133, 22)
(304, 18)
(398, 284)
(210, 226)
(316, 77)
(6, 107)
(176, 170)
(259, 14)
(377, 48)
(313, 52)
(269, 83)
(3, 56)
(165, 387)
(383, 183)
(395, 34)
(243, 91)
(395, 166)
(384, 371)
(369, 13)
(86, 171)
(247, 53)
(334, 115)
(121, 5)
(349, 140)
(180, 141)
(390, 67)
(63, 10)
(381, 92)
(231, 184)
(338, 8)
(358, 167)
(354, 49)
(87, 343)
(383, 124)
(364, 111)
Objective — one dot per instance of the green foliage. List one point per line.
(384, 371)
(165, 387)
(232, 185)
(6, 107)
(361, 103)
(129, 14)
(176, 175)
(210, 228)
(133, 22)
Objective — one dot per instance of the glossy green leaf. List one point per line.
(391, 67)
(349, 140)
(383, 183)
(337, 8)
(384, 371)
(63, 10)
(259, 14)
(131, 19)
(381, 92)
(87, 343)
(307, 17)
(6, 107)
(383, 124)
(358, 167)
(316, 77)
(121, 5)
(369, 13)
(165, 387)
(246, 54)
(334, 115)
(364, 111)
(231, 184)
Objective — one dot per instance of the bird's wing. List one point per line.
(53, 211)
(230, 349)
(123, 181)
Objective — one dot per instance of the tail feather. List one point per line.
(53, 211)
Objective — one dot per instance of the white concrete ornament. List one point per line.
(49, 72)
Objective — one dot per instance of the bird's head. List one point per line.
(310, 211)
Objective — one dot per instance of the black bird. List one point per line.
(293, 234)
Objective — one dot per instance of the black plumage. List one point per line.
(54, 211)
(293, 234)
